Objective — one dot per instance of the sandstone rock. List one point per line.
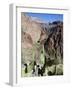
(31, 32)
(31, 27)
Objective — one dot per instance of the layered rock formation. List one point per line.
(54, 44)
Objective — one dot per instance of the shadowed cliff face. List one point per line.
(54, 44)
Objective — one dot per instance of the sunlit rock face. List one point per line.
(32, 33)
(31, 27)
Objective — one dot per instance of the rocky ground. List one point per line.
(41, 47)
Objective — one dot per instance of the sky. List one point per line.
(47, 17)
